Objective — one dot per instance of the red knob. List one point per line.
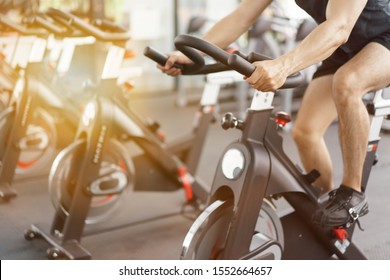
(282, 118)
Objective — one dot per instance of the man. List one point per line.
(352, 40)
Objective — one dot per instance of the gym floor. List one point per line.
(150, 225)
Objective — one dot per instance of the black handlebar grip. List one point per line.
(246, 68)
(241, 65)
(294, 80)
(159, 57)
(254, 56)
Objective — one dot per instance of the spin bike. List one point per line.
(11, 114)
(255, 169)
(88, 178)
(39, 102)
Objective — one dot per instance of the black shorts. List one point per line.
(340, 57)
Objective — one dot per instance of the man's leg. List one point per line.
(316, 113)
(367, 71)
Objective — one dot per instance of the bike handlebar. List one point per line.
(59, 30)
(199, 67)
(108, 25)
(192, 46)
(72, 20)
(159, 57)
(21, 28)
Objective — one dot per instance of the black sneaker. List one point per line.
(343, 208)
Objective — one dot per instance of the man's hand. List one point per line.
(174, 57)
(269, 75)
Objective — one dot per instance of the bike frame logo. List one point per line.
(99, 145)
(26, 111)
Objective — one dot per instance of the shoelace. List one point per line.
(340, 197)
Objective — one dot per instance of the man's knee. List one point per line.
(346, 85)
(303, 135)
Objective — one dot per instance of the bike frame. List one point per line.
(256, 167)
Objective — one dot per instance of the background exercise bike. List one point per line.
(255, 168)
(42, 103)
(14, 118)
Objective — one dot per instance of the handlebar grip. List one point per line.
(246, 68)
(59, 13)
(294, 80)
(48, 25)
(254, 56)
(241, 65)
(159, 57)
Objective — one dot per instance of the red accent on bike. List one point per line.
(282, 118)
(231, 50)
(185, 181)
(122, 165)
(25, 165)
(128, 86)
(130, 54)
(373, 147)
(340, 233)
(161, 136)
(214, 254)
(103, 200)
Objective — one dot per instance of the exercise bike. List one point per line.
(89, 178)
(25, 52)
(41, 102)
(255, 169)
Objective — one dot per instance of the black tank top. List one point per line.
(374, 20)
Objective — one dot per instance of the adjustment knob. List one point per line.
(282, 118)
(228, 121)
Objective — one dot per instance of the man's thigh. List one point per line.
(370, 67)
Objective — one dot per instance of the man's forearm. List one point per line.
(316, 47)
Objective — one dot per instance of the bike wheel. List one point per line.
(38, 146)
(207, 235)
(116, 174)
(269, 224)
(206, 238)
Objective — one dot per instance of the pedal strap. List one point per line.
(353, 214)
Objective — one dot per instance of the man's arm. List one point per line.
(224, 32)
(341, 17)
(229, 28)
